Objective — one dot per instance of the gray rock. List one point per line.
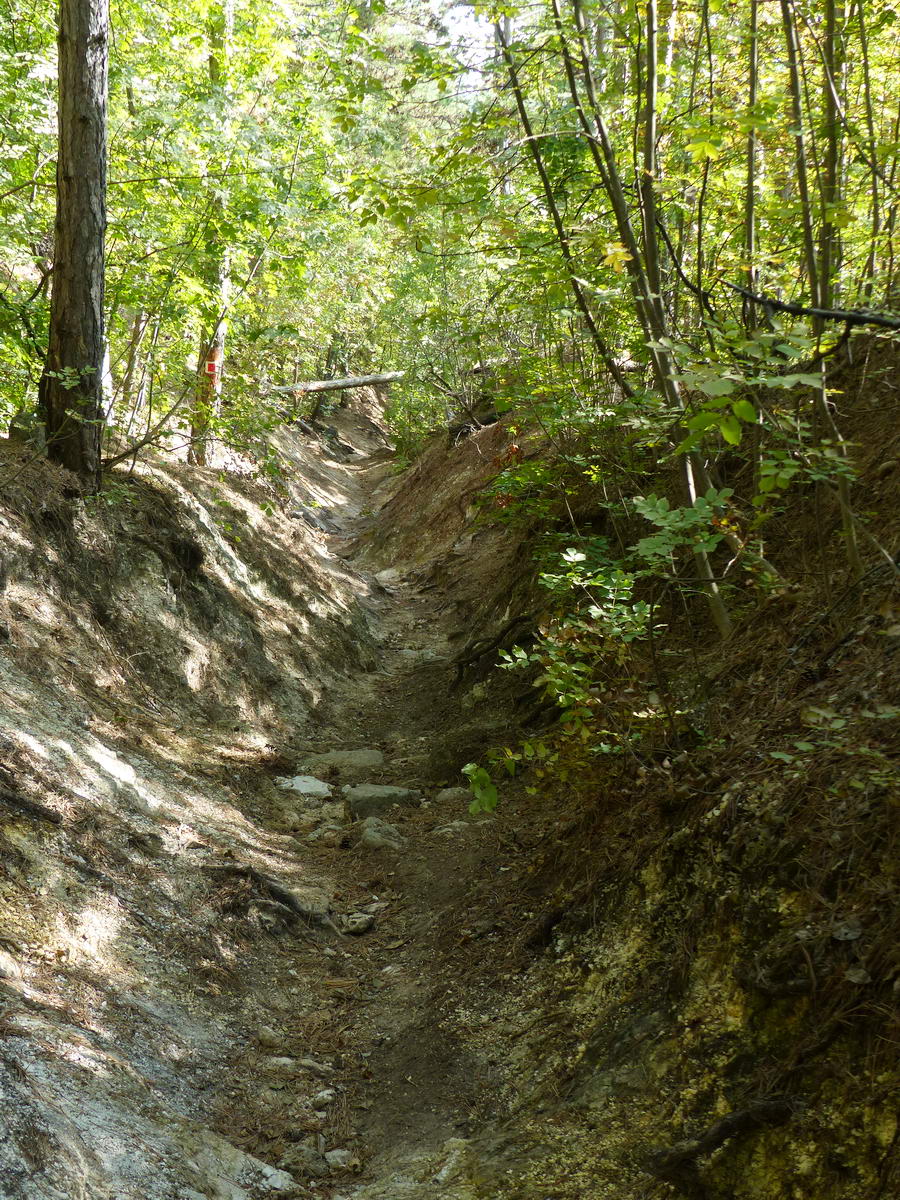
(376, 834)
(268, 1038)
(9, 968)
(317, 1068)
(455, 827)
(226, 1189)
(359, 923)
(281, 1062)
(420, 654)
(454, 795)
(316, 519)
(275, 1180)
(340, 1160)
(352, 764)
(289, 820)
(304, 1159)
(368, 799)
(307, 786)
(388, 578)
(326, 1096)
(329, 834)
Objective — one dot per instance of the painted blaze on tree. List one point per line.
(71, 397)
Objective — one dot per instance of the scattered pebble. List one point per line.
(306, 785)
(376, 834)
(317, 1068)
(454, 827)
(304, 1159)
(348, 762)
(454, 795)
(368, 799)
(358, 923)
(341, 1160)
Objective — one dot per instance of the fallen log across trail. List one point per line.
(338, 385)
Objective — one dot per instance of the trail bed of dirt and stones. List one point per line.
(234, 839)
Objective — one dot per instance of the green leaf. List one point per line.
(717, 387)
(731, 430)
(744, 411)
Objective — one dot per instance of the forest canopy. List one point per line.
(611, 200)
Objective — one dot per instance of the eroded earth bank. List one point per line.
(224, 965)
(253, 943)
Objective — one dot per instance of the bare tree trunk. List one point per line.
(71, 391)
(338, 385)
(130, 398)
(796, 97)
(648, 302)
(829, 234)
(872, 148)
(562, 236)
(648, 177)
(211, 357)
(752, 143)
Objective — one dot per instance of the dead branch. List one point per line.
(678, 1164)
(338, 385)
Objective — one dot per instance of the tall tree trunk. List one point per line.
(648, 303)
(71, 390)
(562, 235)
(801, 160)
(829, 234)
(872, 149)
(752, 144)
(217, 267)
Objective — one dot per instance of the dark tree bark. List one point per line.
(71, 388)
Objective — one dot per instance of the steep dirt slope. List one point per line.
(632, 985)
(184, 1008)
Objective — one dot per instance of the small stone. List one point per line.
(278, 1181)
(352, 763)
(326, 1096)
(388, 577)
(454, 827)
(857, 975)
(328, 835)
(848, 931)
(307, 786)
(268, 1038)
(454, 795)
(340, 1160)
(288, 820)
(304, 1159)
(368, 799)
(9, 968)
(226, 1189)
(376, 834)
(315, 519)
(358, 923)
(317, 1068)
(282, 1062)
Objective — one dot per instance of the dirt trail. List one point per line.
(214, 987)
(411, 1089)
